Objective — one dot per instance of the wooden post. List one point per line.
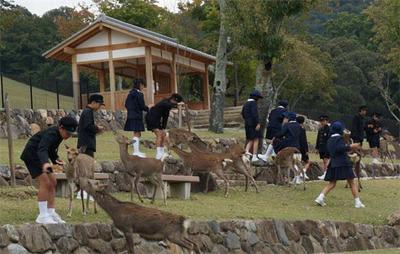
(101, 81)
(206, 92)
(179, 115)
(10, 142)
(75, 83)
(112, 73)
(174, 84)
(149, 75)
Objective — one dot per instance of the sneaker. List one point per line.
(298, 180)
(263, 157)
(45, 219)
(57, 218)
(320, 201)
(359, 205)
(322, 177)
(140, 154)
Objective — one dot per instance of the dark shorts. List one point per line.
(272, 132)
(324, 155)
(153, 123)
(374, 143)
(357, 140)
(35, 168)
(134, 125)
(304, 157)
(252, 133)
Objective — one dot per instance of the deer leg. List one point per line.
(220, 173)
(278, 175)
(162, 186)
(132, 186)
(247, 184)
(156, 185)
(137, 178)
(129, 242)
(87, 202)
(207, 180)
(179, 240)
(71, 196)
(83, 202)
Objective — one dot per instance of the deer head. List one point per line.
(72, 153)
(92, 185)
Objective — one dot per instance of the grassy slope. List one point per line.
(380, 196)
(19, 96)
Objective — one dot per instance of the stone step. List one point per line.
(227, 125)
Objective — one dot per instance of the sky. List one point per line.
(39, 7)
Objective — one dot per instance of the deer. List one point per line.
(149, 223)
(288, 158)
(204, 163)
(137, 167)
(240, 163)
(178, 136)
(80, 166)
(384, 150)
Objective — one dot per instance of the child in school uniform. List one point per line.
(303, 145)
(135, 106)
(289, 135)
(322, 140)
(340, 167)
(373, 130)
(252, 124)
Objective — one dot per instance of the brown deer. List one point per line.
(288, 158)
(179, 136)
(137, 167)
(240, 163)
(384, 149)
(149, 223)
(204, 163)
(355, 155)
(79, 167)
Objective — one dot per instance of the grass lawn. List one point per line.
(19, 96)
(380, 251)
(381, 197)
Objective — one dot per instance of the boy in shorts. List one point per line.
(322, 141)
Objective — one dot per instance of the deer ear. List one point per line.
(82, 149)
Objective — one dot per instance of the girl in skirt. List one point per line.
(340, 167)
(134, 122)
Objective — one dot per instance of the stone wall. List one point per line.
(236, 236)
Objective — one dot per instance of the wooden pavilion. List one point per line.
(110, 46)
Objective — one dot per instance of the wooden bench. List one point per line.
(176, 186)
(62, 189)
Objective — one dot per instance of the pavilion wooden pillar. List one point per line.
(174, 83)
(111, 73)
(206, 91)
(149, 75)
(101, 77)
(75, 83)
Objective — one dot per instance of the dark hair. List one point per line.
(300, 119)
(177, 97)
(378, 115)
(363, 107)
(323, 118)
(137, 82)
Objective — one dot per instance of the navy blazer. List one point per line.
(87, 130)
(371, 134)
(322, 138)
(250, 113)
(303, 141)
(357, 127)
(290, 135)
(338, 152)
(275, 118)
(160, 113)
(135, 106)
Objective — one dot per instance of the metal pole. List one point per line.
(58, 95)
(2, 90)
(10, 143)
(30, 90)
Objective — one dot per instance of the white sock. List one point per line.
(159, 153)
(42, 208)
(357, 200)
(255, 156)
(135, 144)
(321, 196)
(270, 151)
(51, 210)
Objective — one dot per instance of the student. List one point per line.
(322, 141)
(135, 106)
(275, 120)
(303, 145)
(289, 136)
(373, 131)
(87, 129)
(39, 151)
(340, 167)
(252, 124)
(358, 125)
(157, 118)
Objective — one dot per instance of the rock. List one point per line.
(291, 233)
(80, 234)
(232, 241)
(5, 172)
(3, 182)
(297, 248)
(252, 238)
(219, 249)
(149, 247)
(203, 241)
(107, 166)
(118, 244)
(266, 231)
(123, 182)
(214, 226)
(365, 230)
(58, 230)
(105, 231)
(35, 238)
(346, 229)
(311, 245)
(12, 233)
(199, 227)
(92, 231)
(16, 249)
(100, 246)
(67, 244)
(227, 226)
(394, 218)
(280, 231)
(116, 232)
(82, 251)
(358, 243)
(279, 248)
(4, 240)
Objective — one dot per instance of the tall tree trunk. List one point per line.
(264, 85)
(219, 87)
